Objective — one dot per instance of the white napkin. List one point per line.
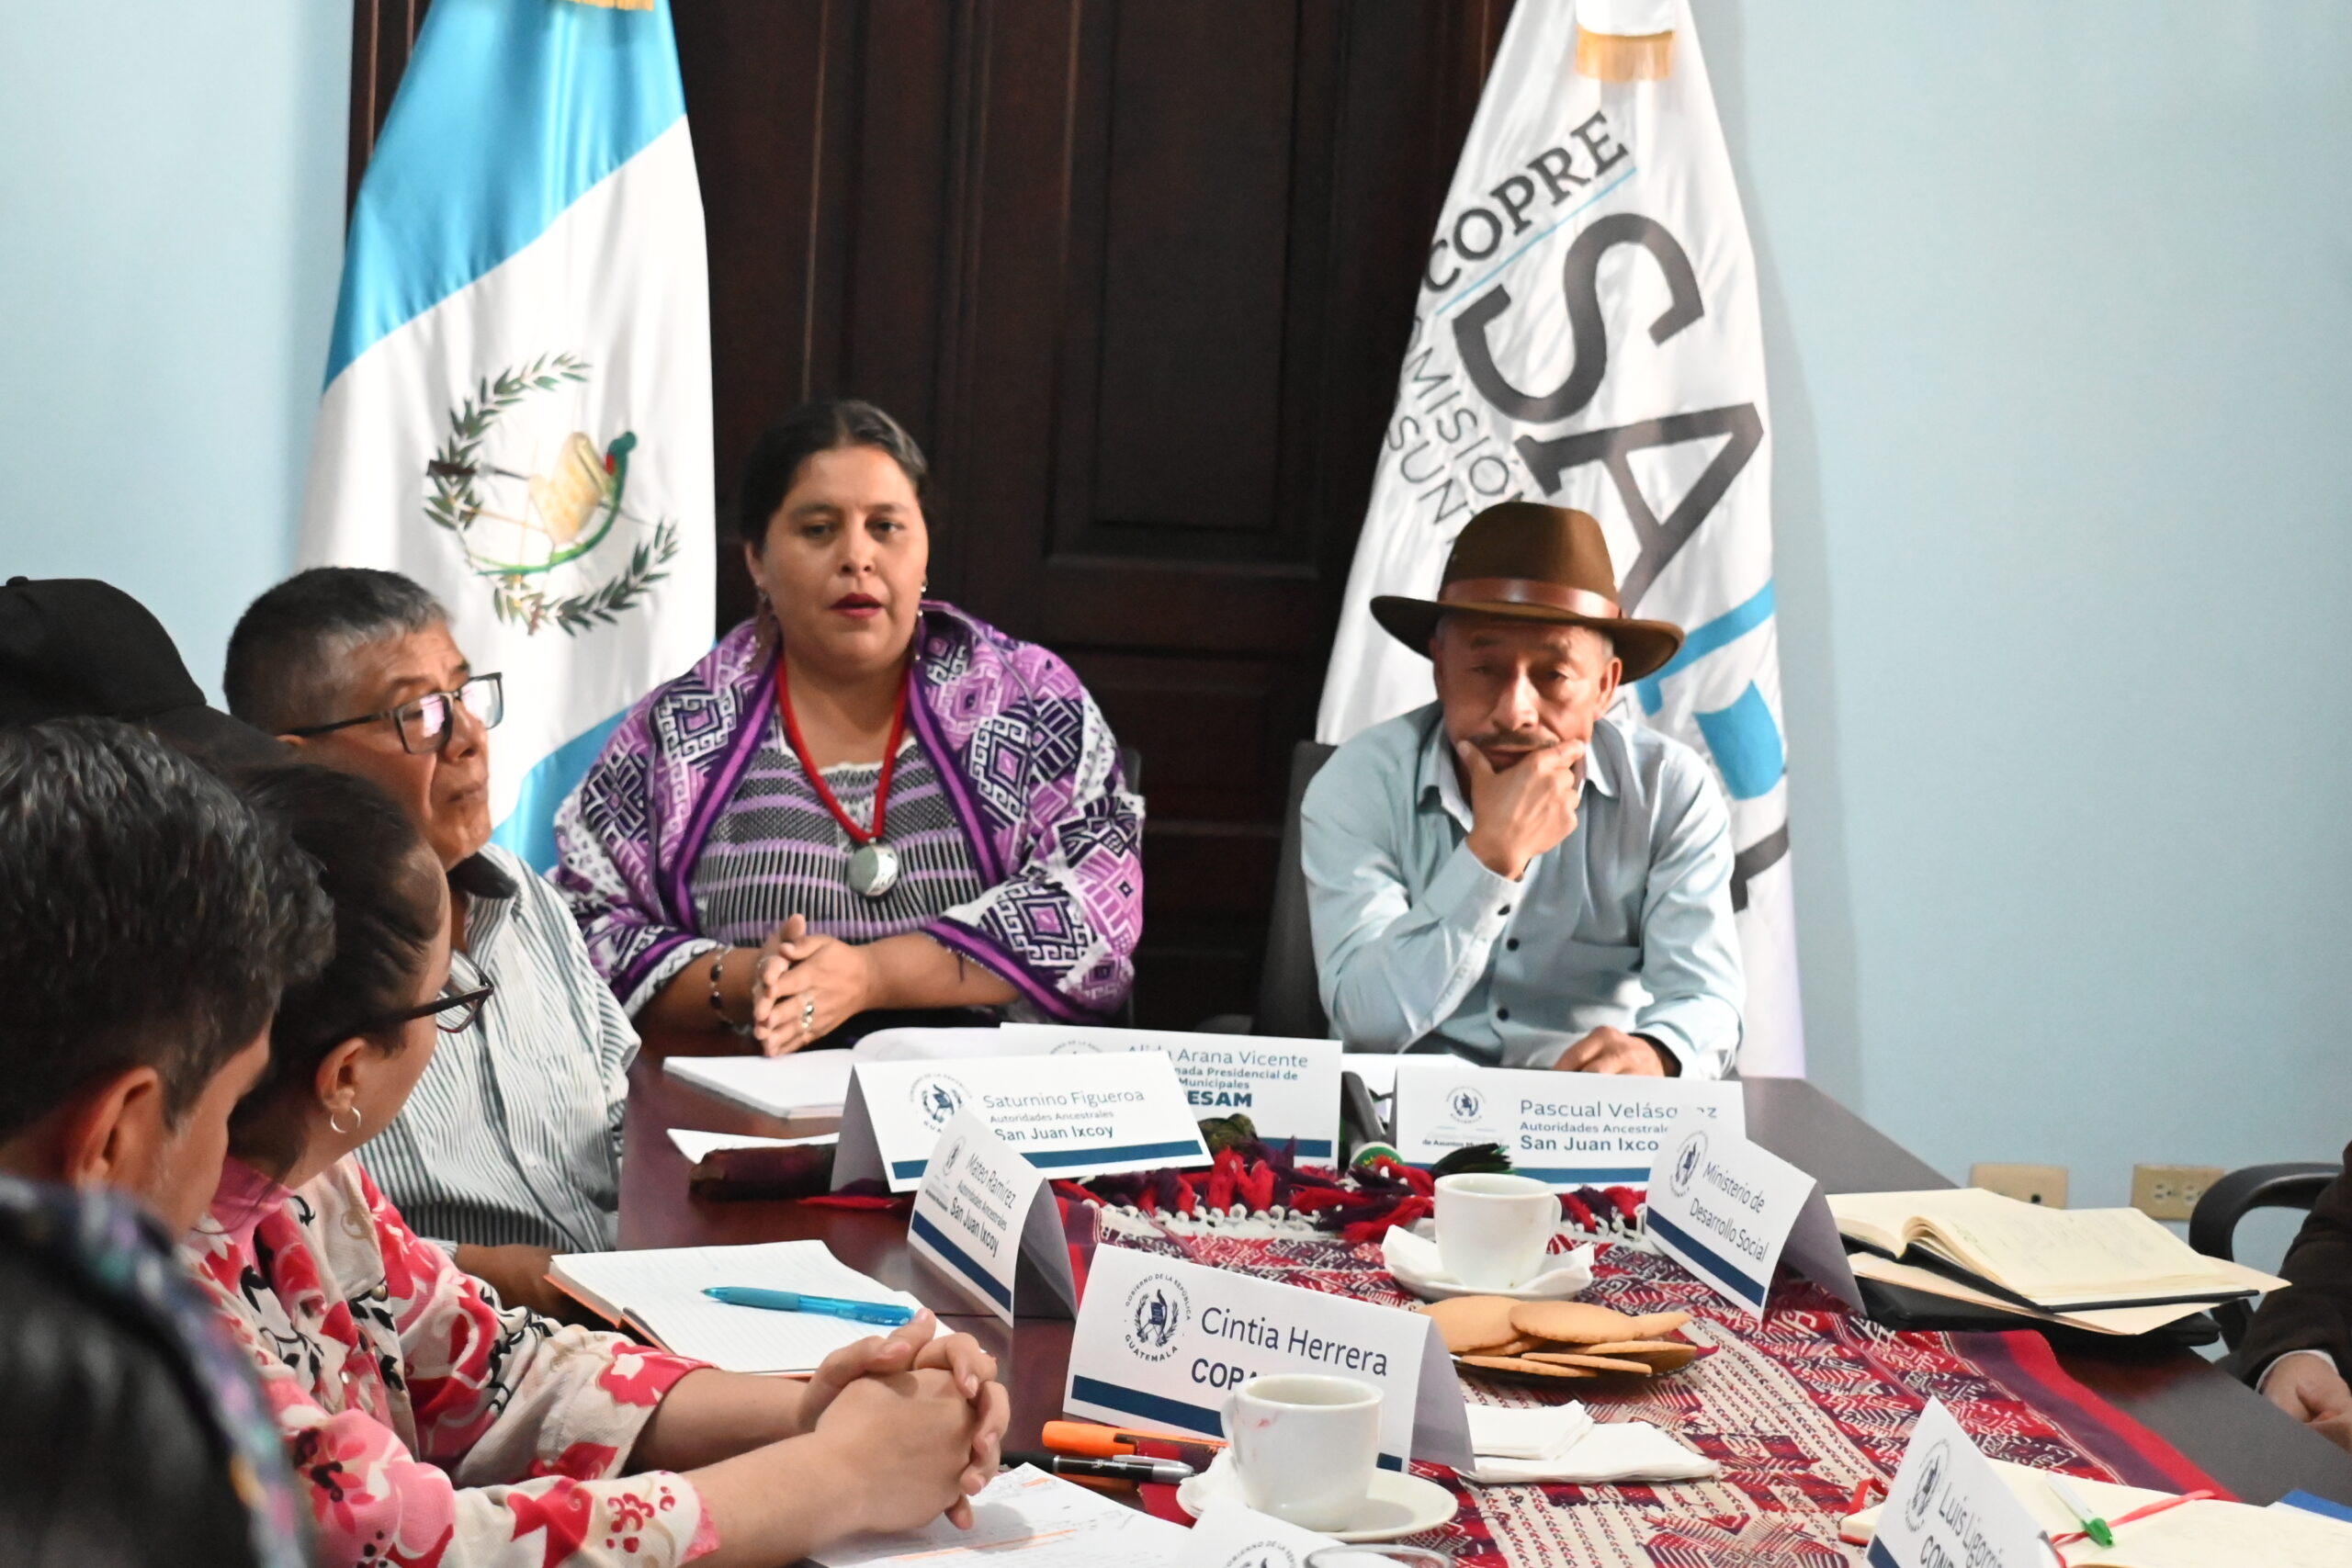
(1543, 1431)
(1608, 1451)
(1414, 1259)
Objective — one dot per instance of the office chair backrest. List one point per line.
(1288, 1002)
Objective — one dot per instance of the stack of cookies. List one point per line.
(1495, 1336)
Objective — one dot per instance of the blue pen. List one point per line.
(886, 1313)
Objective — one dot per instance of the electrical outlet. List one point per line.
(2043, 1184)
(2170, 1191)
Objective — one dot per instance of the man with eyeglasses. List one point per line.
(509, 1150)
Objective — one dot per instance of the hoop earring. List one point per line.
(335, 1125)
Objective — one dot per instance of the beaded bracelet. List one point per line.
(717, 1001)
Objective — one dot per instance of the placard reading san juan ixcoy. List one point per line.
(1288, 1088)
(1567, 1129)
(1162, 1345)
(984, 1217)
(1073, 1116)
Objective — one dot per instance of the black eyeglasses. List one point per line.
(427, 723)
(450, 1014)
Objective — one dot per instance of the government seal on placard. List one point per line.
(1466, 1103)
(1157, 1308)
(1924, 1489)
(937, 1097)
(541, 512)
(1267, 1554)
(1685, 1163)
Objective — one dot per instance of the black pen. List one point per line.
(1128, 1468)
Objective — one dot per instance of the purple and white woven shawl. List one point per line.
(1032, 771)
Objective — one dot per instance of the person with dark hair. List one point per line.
(865, 807)
(109, 1349)
(510, 1148)
(426, 1422)
(148, 922)
(75, 647)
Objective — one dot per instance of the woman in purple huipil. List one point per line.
(863, 806)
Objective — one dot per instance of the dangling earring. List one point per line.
(335, 1122)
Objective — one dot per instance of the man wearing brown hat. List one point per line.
(1512, 873)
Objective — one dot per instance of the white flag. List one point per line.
(517, 410)
(1588, 335)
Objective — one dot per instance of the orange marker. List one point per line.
(1109, 1442)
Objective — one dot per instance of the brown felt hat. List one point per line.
(1524, 562)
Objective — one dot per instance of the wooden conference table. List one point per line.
(2233, 1433)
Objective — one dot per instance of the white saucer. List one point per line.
(1399, 1504)
(1411, 1262)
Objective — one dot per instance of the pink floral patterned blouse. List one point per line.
(429, 1427)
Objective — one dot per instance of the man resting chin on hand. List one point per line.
(1510, 874)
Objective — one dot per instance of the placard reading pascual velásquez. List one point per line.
(1072, 1116)
(1288, 1088)
(1162, 1344)
(1567, 1129)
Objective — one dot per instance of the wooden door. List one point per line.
(1137, 274)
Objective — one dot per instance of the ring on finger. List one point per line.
(808, 1015)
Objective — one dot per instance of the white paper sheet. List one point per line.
(1027, 1516)
(662, 1289)
(806, 1083)
(697, 1145)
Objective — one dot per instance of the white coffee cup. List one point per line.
(1492, 1230)
(1305, 1446)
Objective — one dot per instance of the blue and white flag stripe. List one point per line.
(525, 295)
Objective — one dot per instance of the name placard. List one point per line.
(1288, 1088)
(1234, 1535)
(1727, 1209)
(984, 1216)
(1161, 1344)
(1949, 1508)
(1070, 1116)
(1567, 1129)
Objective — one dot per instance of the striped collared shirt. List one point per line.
(513, 1132)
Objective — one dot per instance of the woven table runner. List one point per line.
(1799, 1411)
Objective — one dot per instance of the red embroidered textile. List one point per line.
(1798, 1410)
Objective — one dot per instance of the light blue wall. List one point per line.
(2059, 307)
(2059, 318)
(171, 217)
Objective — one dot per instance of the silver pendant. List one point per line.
(873, 869)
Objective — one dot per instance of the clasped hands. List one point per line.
(921, 1396)
(1518, 814)
(2314, 1394)
(806, 986)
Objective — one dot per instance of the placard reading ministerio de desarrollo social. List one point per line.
(1073, 1116)
(1567, 1129)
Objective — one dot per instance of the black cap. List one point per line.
(75, 647)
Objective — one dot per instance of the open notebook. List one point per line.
(804, 1083)
(658, 1293)
(2060, 1261)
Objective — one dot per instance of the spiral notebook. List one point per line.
(658, 1293)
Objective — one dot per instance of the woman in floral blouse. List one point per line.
(429, 1425)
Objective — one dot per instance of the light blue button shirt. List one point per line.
(1628, 922)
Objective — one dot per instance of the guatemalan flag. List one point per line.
(517, 409)
(1587, 334)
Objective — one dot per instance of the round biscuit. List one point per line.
(1519, 1364)
(1660, 1355)
(1573, 1323)
(1474, 1323)
(1655, 1324)
(1597, 1363)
